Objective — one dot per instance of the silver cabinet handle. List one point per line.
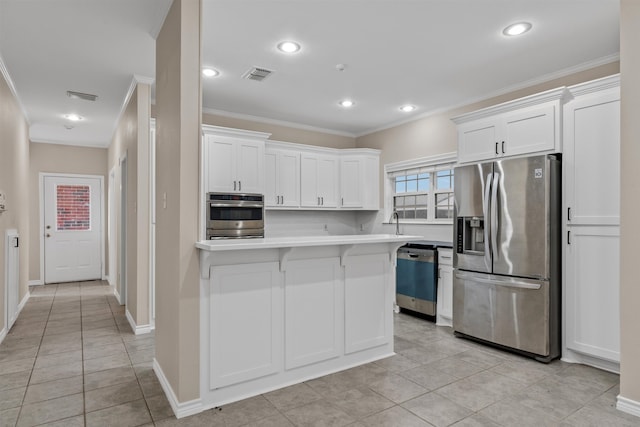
(322, 201)
(342, 201)
(318, 201)
(234, 186)
(282, 200)
(239, 185)
(510, 283)
(497, 149)
(502, 147)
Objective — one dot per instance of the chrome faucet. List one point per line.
(396, 217)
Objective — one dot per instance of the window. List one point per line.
(73, 207)
(421, 190)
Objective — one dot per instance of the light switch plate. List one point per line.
(3, 201)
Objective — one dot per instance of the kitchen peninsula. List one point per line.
(279, 311)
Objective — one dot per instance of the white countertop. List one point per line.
(300, 241)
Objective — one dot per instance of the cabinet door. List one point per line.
(250, 167)
(271, 197)
(592, 297)
(328, 181)
(478, 140)
(529, 130)
(445, 287)
(592, 159)
(289, 178)
(309, 165)
(314, 311)
(245, 323)
(368, 302)
(221, 164)
(351, 182)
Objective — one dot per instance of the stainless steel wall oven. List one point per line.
(232, 216)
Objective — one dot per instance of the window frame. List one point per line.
(431, 165)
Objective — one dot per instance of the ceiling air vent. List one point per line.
(79, 95)
(258, 74)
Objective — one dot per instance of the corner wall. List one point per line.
(14, 182)
(131, 139)
(178, 132)
(629, 398)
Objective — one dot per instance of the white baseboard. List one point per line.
(138, 330)
(117, 295)
(629, 406)
(571, 356)
(180, 410)
(3, 334)
(37, 282)
(23, 302)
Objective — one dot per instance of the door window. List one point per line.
(73, 207)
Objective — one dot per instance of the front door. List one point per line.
(72, 229)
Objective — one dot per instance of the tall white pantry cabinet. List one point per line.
(591, 217)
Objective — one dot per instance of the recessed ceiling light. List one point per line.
(288, 47)
(517, 29)
(210, 72)
(347, 103)
(73, 117)
(407, 108)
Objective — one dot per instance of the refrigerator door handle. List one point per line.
(510, 283)
(494, 215)
(487, 223)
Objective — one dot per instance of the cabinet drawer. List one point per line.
(445, 257)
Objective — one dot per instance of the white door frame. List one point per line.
(122, 229)
(152, 224)
(42, 176)
(112, 235)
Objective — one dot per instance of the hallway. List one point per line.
(71, 357)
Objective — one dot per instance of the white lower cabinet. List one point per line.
(245, 323)
(444, 310)
(592, 291)
(368, 305)
(314, 310)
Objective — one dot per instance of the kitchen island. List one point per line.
(279, 311)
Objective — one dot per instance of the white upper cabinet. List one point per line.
(234, 160)
(592, 158)
(282, 182)
(319, 180)
(359, 177)
(524, 126)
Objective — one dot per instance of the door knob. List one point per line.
(48, 235)
(48, 227)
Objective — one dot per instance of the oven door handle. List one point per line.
(236, 205)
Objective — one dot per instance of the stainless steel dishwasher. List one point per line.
(416, 278)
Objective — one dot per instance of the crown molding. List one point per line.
(275, 122)
(503, 91)
(5, 73)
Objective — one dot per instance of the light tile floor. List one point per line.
(72, 360)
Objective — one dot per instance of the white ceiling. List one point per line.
(434, 54)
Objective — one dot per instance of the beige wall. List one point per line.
(178, 116)
(55, 158)
(131, 141)
(283, 133)
(436, 134)
(630, 201)
(14, 182)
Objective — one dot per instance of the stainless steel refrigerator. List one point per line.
(506, 287)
